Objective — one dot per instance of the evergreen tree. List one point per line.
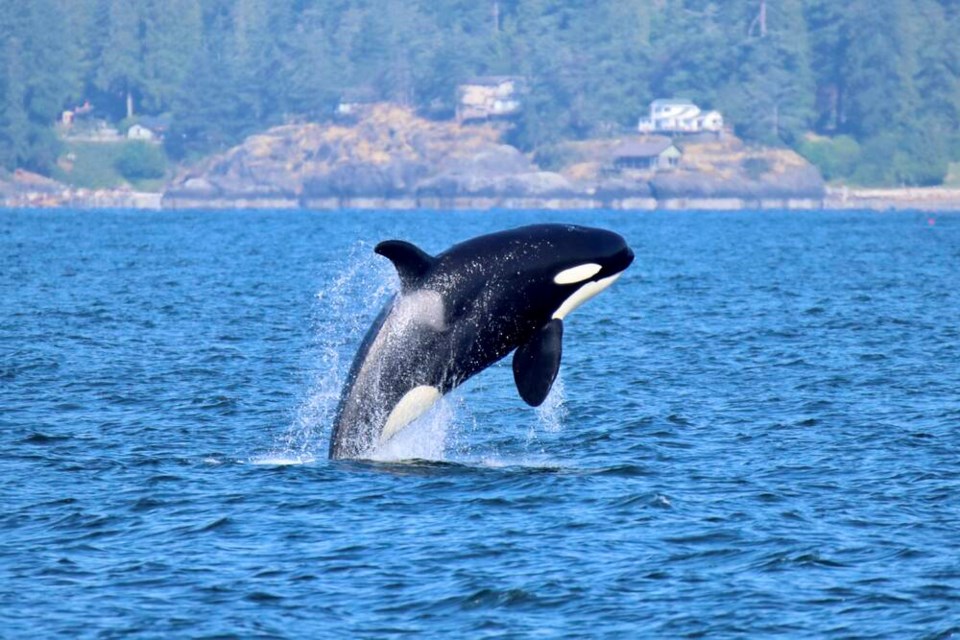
(770, 96)
(826, 28)
(312, 76)
(119, 72)
(879, 66)
(14, 124)
(34, 85)
(172, 36)
(692, 52)
(206, 114)
(882, 77)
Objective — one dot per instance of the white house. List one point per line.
(140, 132)
(679, 116)
(489, 97)
(356, 101)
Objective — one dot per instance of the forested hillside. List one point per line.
(868, 89)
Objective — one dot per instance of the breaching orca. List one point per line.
(464, 309)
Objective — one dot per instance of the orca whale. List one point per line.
(461, 311)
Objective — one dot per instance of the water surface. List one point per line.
(755, 434)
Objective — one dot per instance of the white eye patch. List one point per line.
(577, 274)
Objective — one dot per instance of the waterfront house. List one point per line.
(356, 101)
(679, 116)
(646, 154)
(142, 133)
(486, 97)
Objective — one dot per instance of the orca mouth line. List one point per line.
(619, 263)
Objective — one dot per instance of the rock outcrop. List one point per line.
(388, 153)
(729, 169)
(390, 157)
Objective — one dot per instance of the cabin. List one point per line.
(487, 97)
(158, 124)
(70, 116)
(647, 154)
(356, 101)
(142, 133)
(679, 116)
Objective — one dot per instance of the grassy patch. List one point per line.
(953, 175)
(93, 165)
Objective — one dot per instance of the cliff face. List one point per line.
(727, 168)
(390, 153)
(710, 167)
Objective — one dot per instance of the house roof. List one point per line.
(642, 148)
(361, 94)
(157, 123)
(674, 101)
(491, 81)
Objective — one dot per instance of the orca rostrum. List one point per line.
(461, 311)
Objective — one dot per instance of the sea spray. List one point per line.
(549, 422)
(423, 439)
(553, 411)
(345, 306)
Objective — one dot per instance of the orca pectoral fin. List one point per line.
(536, 363)
(411, 261)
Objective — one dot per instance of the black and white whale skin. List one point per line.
(464, 309)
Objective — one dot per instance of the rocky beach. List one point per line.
(387, 157)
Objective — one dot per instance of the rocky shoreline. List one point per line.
(493, 203)
(389, 158)
(392, 159)
(933, 199)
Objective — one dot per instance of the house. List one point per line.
(158, 124)
(679, 116)
(646, 154)
(70, 116)
(140, 132)
(486, 97)
(355, 101)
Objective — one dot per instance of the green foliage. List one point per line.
(555, 156)
(883, 75)
(952, 178)
(905, 158)
(92, 165)
(837, 158)
(33, 82)
(141, 161)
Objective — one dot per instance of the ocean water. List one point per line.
(756, 433)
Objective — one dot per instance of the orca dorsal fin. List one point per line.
(411, 261)
(537, 361)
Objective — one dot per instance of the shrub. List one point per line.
(835, 157)
(141, 161)
(905, 158)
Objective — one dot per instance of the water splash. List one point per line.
(553, 411)
(550, 414)
(281, 460)
(423, 439)
(345, 307)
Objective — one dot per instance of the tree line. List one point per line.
(868, 89)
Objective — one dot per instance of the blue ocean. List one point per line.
(755, 433)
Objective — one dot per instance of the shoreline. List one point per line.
(940, 199)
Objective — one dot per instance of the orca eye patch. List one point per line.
(577, 274)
